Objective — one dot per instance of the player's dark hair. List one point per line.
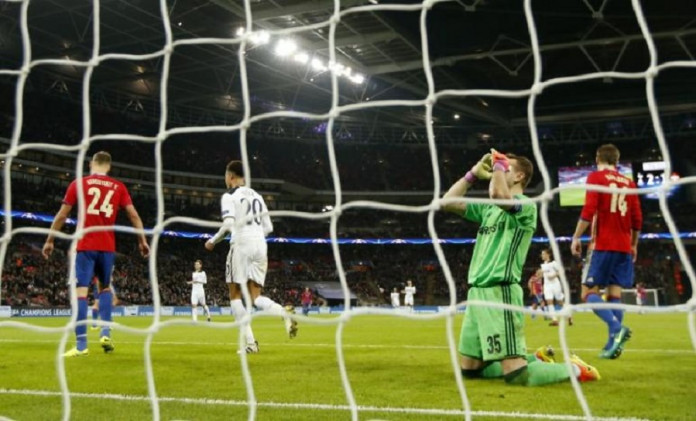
(199, 261)
(236, 168)
(525, 166)
(608, 153)
(548, 251)
(101, 158)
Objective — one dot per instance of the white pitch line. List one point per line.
(357, 346)
(317, 406)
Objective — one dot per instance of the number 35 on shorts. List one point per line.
(493, 342)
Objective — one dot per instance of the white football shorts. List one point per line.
(553, 291)
(247, 262)
(198, 297)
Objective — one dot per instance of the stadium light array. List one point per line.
(287, 48)
(318, 65)
(357, 78)
(301, 57)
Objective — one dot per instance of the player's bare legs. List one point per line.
(264, 303)
(239, 312)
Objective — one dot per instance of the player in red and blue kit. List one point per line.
(536, 291)
(618, 221)
(103, 198)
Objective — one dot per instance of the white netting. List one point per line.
(165, 54)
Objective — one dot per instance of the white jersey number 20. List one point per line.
(254, 207)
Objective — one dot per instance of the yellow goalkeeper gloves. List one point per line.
(482, 170)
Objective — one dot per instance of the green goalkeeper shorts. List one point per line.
(491, 334)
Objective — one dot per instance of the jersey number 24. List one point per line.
(96, 206)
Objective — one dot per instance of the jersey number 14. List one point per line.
(618, 202)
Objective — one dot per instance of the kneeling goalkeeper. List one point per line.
(491, 342)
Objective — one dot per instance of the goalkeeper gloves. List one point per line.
(482, 170)
(500, 161)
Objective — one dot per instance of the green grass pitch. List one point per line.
(572, 197)
(398, 369)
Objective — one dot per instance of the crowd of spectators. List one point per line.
(372, 271)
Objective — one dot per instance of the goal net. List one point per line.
(252, 115)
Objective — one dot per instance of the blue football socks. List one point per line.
(105, 298)
(81, 329)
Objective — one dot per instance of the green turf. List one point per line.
(572, 197)
(392, 362)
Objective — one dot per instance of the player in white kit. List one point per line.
(553, 290)
(245, 217)
(395, 302)
(198, 279)
(409, 292)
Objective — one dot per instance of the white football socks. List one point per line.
(270, 306)
(239, 312)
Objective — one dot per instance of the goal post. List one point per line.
(630, 296)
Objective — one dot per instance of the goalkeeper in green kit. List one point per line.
(492, 343)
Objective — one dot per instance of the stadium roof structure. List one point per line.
(473, 44)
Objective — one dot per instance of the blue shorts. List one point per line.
(94, 263)
(609, 268)
(537, 298)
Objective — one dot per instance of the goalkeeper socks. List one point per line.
(239, 312)
(490, 370)
(606, 315)
(618, 313)
(105, 298)
(81, 329)
(537, 373)
(530, 358)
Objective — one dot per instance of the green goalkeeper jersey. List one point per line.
(502, 242)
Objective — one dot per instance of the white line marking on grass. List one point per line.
(358, 346)
(316, 406)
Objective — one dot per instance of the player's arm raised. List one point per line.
(480, 171)
(138, 224)
(498, 188)
(56, 225)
